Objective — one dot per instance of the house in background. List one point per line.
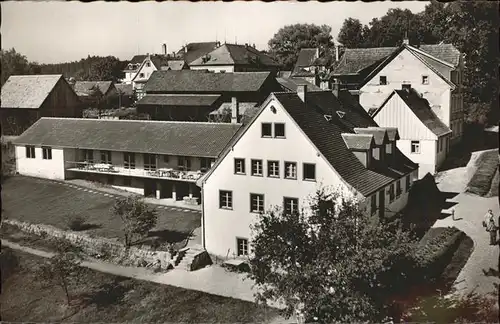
(151, 158)
(424, 138)
(154, 63)
(96, 94)
(434, 71)
(235, 58)
(313, 67)
(292, 84)
(294, 145)
(27, 98)
(132, 68)
(202, 92)
(193, 51)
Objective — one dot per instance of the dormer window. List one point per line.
(383, 80)
(328, 117)
(341, 114)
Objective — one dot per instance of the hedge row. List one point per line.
(435, 248)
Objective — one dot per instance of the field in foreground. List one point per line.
(106, 298)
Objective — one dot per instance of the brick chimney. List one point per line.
(301, 92)
(164, 49)
(235, 110)
(337, 49)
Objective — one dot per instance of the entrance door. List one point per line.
(381, 203)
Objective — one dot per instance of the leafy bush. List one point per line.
(9, 263)
(76, 223)
(434, 247)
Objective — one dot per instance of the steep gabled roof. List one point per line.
(196, 50)
(157, 137)
(191, 81)
(420, 107)
(326, 136)
(175, 65)
(425, 59)
(84, 88)
(232, 54)
(178, 99)
(27, 91)
(356, 60)
(138, 59)
(379, 134)
(423, 111)
(159, 60)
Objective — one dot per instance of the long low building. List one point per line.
(155, 158)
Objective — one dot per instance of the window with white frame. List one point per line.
(256, 203)
(225, 199)
(290, 205)
(425, 79)
(373, 203)
(46, 153)
(239, 166)
(184, 163)
(383, 80)
(150, 162)
(309, 171)
(257, 168)
(129, 160)
(242, 246)
(279, 130)
(415, 147)
(290, 170)
(267, 130)
(30, 151)
(273, 169)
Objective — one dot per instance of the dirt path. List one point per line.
(480, 273)
(213, 280)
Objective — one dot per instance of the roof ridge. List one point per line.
(141, 121)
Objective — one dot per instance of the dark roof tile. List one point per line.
(178, 100)
(196, 50)
(232, 54)
(158, 137)
(190, 81)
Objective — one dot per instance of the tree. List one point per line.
(353, 33)
(106, 69)
(13, 63)
(137, 217)
(285, 45)
(63, 268)
(334, 263)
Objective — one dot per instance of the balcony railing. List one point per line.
(160, 173)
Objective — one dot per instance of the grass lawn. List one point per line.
(105, 298)
(44, 202)
(487, 166)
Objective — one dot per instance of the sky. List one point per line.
(54, 32)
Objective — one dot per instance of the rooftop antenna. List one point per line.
(224, 35)
(236, 40)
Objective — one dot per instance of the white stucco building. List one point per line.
(297, 143)
(424, 138)
(433, 71)
(152, 158)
